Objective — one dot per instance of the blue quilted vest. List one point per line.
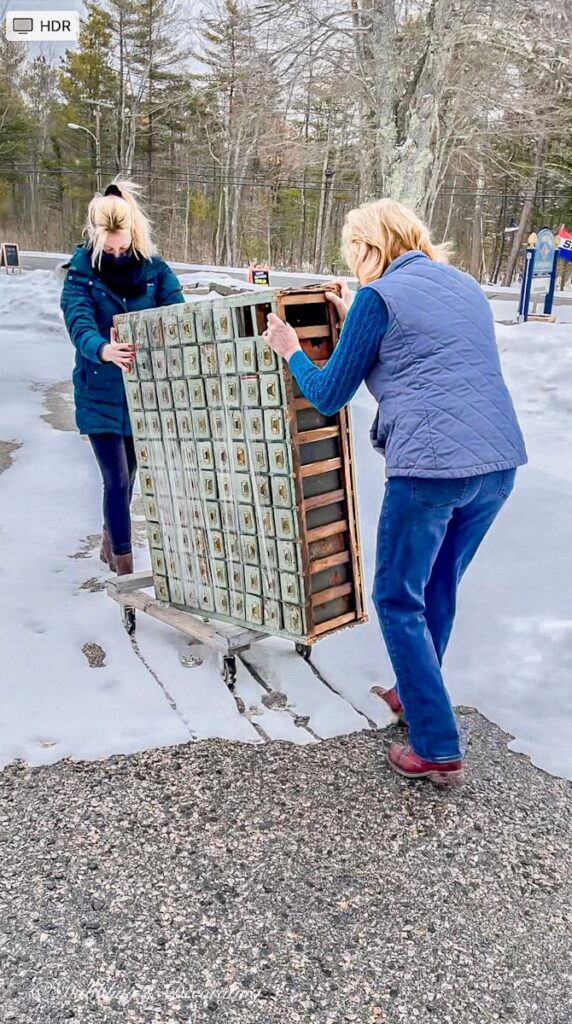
(444, 408)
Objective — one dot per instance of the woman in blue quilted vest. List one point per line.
(421, 334)
(117, 270)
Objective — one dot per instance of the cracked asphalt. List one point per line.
(220, 881)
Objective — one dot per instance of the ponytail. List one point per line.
(118, 210)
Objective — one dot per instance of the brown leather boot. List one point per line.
(124, 564)
(106, 554)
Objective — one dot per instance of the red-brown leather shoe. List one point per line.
(390, 697)
(106, 554)
(406, 762)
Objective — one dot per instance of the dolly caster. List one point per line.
(304, 650)
(228, 671)
(129, 621)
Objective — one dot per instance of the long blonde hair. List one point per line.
(377, 233)
(118, 213)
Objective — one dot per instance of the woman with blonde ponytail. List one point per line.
(116, 270)
(421, 334)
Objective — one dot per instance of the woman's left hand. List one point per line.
(281, 337)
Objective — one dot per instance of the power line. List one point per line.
(213, 179)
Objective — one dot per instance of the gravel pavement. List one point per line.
(223, 882)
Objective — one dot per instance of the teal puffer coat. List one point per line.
(89, 306)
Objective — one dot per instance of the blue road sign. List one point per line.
(545, 249)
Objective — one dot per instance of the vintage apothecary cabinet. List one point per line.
(249, 492)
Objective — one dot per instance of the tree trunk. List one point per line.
(475, 265)
(450, 210)
(374, 39)
(303, 226)
(119, 159)
(322, 210)
(501, 235)
(526, 211)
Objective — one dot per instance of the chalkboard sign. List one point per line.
(258, 273)
(260, 276)
(10, 256)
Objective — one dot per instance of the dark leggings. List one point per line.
(115, 456)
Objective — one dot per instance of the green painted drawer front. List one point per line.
(271, 586)
(225, 486)
(148, 396)
(250, 393)
(237, 606)
(197, 394)
(222, 601)
(171, 329)
(273, 616)
(231, 392)
(252, 580)
(218, 425)
(161, 588)
(146, 481)
(247, 519)
(232, 546)
(176, 590)
(265, 357)
(213, 391)
(236, 423)
(250, 550)
(165, 396)
(174, 363)
(263, 490)
(133, 391)
(222, 322)
(159, 363)
(274, 425)
(227, 357)
(204, 325)
(270, 392)
(254, 424)
(139, 426)
(220, 574)
(209, 360)
(201, 425)
(142, 453)
(187, 332)
(246, 356)
(191, 361)
(282, 496)
(144, 367)
(180, 393)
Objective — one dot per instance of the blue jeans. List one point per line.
(429, 531)
(115, 454)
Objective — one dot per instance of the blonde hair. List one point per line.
(107, 213)
(377, 233)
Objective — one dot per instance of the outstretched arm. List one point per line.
(331, 388)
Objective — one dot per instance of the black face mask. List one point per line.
(125, 275)
(109, 260)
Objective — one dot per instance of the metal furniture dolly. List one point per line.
(228, 640)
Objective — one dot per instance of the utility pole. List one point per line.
(96, 136)
(97, 105)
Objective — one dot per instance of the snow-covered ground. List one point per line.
(511, 655)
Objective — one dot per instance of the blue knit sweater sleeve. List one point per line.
(331, 388)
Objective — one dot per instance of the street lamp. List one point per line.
(81, 128)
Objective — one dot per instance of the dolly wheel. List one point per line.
(129, 621)
(304, 650)
(228, 671)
